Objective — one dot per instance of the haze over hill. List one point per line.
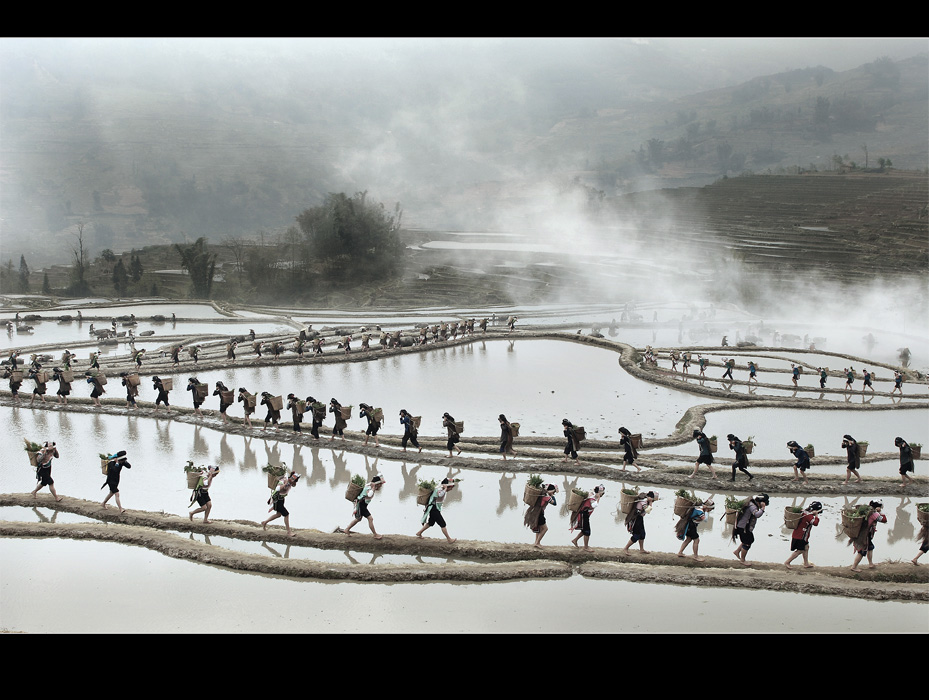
(157, 140)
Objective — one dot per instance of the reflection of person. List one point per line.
(201, 494)
(361, 506)
(535, 514)
(581, 519)
(635, 520)
(802, 463)
(745, 525)
(433, 512)
(114, 466)
(906, 461)
(864, 543)
(705, 456)
(43, 472)
(800, 539)
(276, 501)
(686, 528)
(854, 458)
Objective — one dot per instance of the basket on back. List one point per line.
(792, 518)
(531, 495)
(424, 494)
(277, 403)
(852, 520)
(922, 513)
(576, 499)
(514, 429)
(682, 505)
(352, 492)
(626, 500)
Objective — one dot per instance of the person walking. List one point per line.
(43, 471)
(115, 464)
(361, 506)
(635, 520)
(162, 397)
(318, 414)
(131, 390)
(225, 399)
(745, 525)
(581, 519)
(432, 515)
(535, 514)
(741, 456)
(705, 456)
(201, 494)
(197, 395)
(64, 387)
(409, 430)
(906, 461)
(273, 415)
(97, 389)
(276, 501)
(853, 452)
(40, 377)
(822, 378)
(571, 447)
(686, 527)
(730, 365)
(752, 372)
(802, 463)
(335, 408)
(630, 453)
(864, 543)
(248, 405)
(795, 374)
(800, 538)
(374, 425)
(230, 350)
(866, 381)
(506, 436)
(898, 383)
(296, 411)
(849, 378)
(448, 422)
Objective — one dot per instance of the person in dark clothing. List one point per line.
(64, 388)
(635, 520)
(97, 391)
(43, 472)
(40, 377)
(225, 400)
(630, 453)
(162, 396)
(706, 454)
(745, 525)
(506, 436)
(201, 494)
(335, 408)
(15, 383)
(802, 463)
(131, 390)
(374, 425)
(535, 515)
(741, 458)
(318, 412)
(409, 430)
(448, 422)
(197, 395)
(273, 415)
(853, 452)
(571, 447)
(296, 411)
(115, 465)
(248, 406)
(906, 461)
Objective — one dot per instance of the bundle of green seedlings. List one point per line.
(274, 470)
(689, 495)
(859, 511)
(733, 503)
(358, 480)
(923, 507)
(536, 481)
(633, 492)
(794, 509)
(32, 446)
(580, 492)
(423, 484)
(191, 468)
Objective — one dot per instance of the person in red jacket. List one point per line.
(800, 539)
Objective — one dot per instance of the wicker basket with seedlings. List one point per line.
(684, 502)
(275, 473)
(576, 498)
(922, 513)
(425, 491)
(749, 444)
(733, 506)
(853, 517)
(792, 516)
(33, 448)
(104, 460)
(354, 488)
(533, 489)
(626, 499)
(714, 443)
(809, 450)
(917, 449)
(193, 474)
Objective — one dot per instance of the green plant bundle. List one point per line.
(795, 509)
(630, 492)
(750, 438)
(684, 493)
(358, 480)
(32, 446)
(431, 485)
(864, 442)
(580, 492)
(733, 503)
(916, 444)
(712, 438)
(275, 470)
(861, 511)
(924, 507)
(191, 468)
(808, 447)
(536, 481)
(103, 456)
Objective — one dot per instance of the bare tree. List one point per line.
(79, 269)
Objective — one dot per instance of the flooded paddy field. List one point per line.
(533, 381)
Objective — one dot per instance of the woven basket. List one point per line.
(379, 415)
(272, 480)
(41, 376)
(922, 516)
(862, 450)
(416, 421)
(277, 403)
(574, 501)
(133, 379)
(251, 400)
(423, 498)
(731, 516)
(192, 479)
(16, 375)
(682, 505)
(625, 501)
(201, 390)
(917, 451)
(167, 383)
(351, 493)
(459, 426)
(580, 433)
(34, 458)
(345, 412)
(749, 446)
(226, 396)
(67, 375)
(713, 445)
(791, 519)
(103, 464)
(514, 429)
(531, 495)
(811, 452)
(636, 439)
(851, 526)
